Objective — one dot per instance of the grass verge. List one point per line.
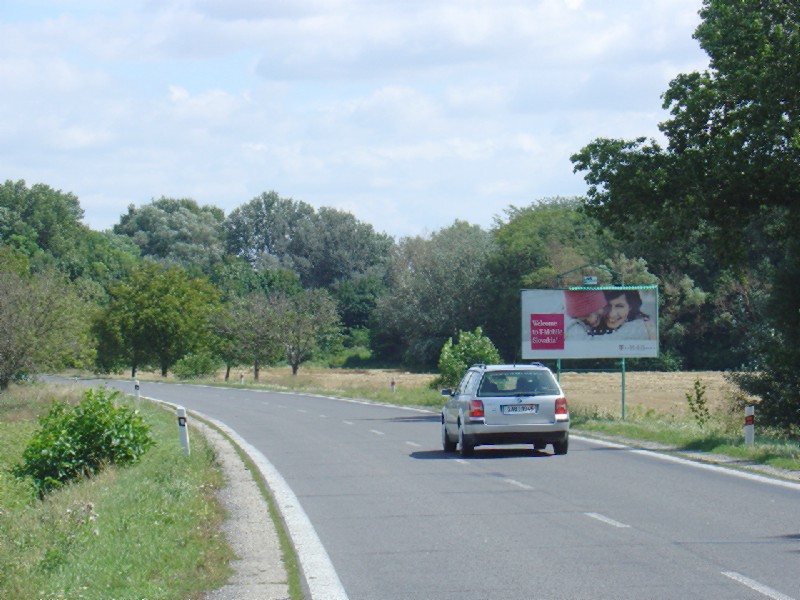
(718, 436)
(151, 530)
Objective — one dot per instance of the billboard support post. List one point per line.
(622, 362)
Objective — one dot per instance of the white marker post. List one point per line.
(749, 424)
(183, 430)
(136, 387)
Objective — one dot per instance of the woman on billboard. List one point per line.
(624, 317)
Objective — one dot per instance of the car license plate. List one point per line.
(515, 409)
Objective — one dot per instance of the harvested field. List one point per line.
(662, 392)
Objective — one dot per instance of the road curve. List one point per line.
(399, 519)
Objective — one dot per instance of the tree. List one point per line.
(357, 298)
(303, 322)
(332, 246)
(176, 232)
(471, 348)
(38, 218)
(436, 287)
(730, 172)
(254, 326)
(42, 324)
(265, 226)
(157, 315)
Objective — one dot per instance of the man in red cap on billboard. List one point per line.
(587, 309)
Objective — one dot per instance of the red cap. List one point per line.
(583, 303)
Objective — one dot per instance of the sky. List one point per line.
(409, 114)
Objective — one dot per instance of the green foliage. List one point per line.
(437, 285)
(303, 324)
(264, 227)
(194, 366)
(176, 232)
(42, 324)
(78, 441)
(157, 315)
(38, 218)
(472, 348)
(332, 246)
(147, 531)
(698, 404)
(721, 203)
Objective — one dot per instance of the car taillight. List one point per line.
(562, 413)
(475, 408)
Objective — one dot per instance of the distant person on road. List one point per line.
(587, 311)
(624, 317)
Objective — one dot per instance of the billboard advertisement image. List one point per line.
(603, 322)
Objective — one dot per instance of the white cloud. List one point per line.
(409, 114)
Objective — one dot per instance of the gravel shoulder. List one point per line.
(259, 572)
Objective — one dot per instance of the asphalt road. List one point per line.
(400, 519)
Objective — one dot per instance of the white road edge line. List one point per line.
(414, 444)
(606, 520)
(756, 586)
(321, 578)
(699, 465)
(376, 432)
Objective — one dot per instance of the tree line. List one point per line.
(711, 219)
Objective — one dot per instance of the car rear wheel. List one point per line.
(561, 447)
(465, 447)
(447, 444)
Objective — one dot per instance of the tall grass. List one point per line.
(151, 530)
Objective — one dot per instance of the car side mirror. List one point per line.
(447, 392)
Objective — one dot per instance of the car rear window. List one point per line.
(511, 383)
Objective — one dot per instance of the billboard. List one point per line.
(590, 322)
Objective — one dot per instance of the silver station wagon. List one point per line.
(505, 404)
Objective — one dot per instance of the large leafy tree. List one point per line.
(332, 246)
(38, 218)
(264, 227)
(176, 232)
(42, 322)
(156, 316)
(436, 288)
(730, 173)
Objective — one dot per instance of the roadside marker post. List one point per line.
(136, 387)
(183, 429)
(749, 424)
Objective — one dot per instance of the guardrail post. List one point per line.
(749, 424)
(183, 429)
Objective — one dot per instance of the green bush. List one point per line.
(193, 366)
(472, 348)
(78, 441)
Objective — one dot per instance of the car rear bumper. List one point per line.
(479, 435)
